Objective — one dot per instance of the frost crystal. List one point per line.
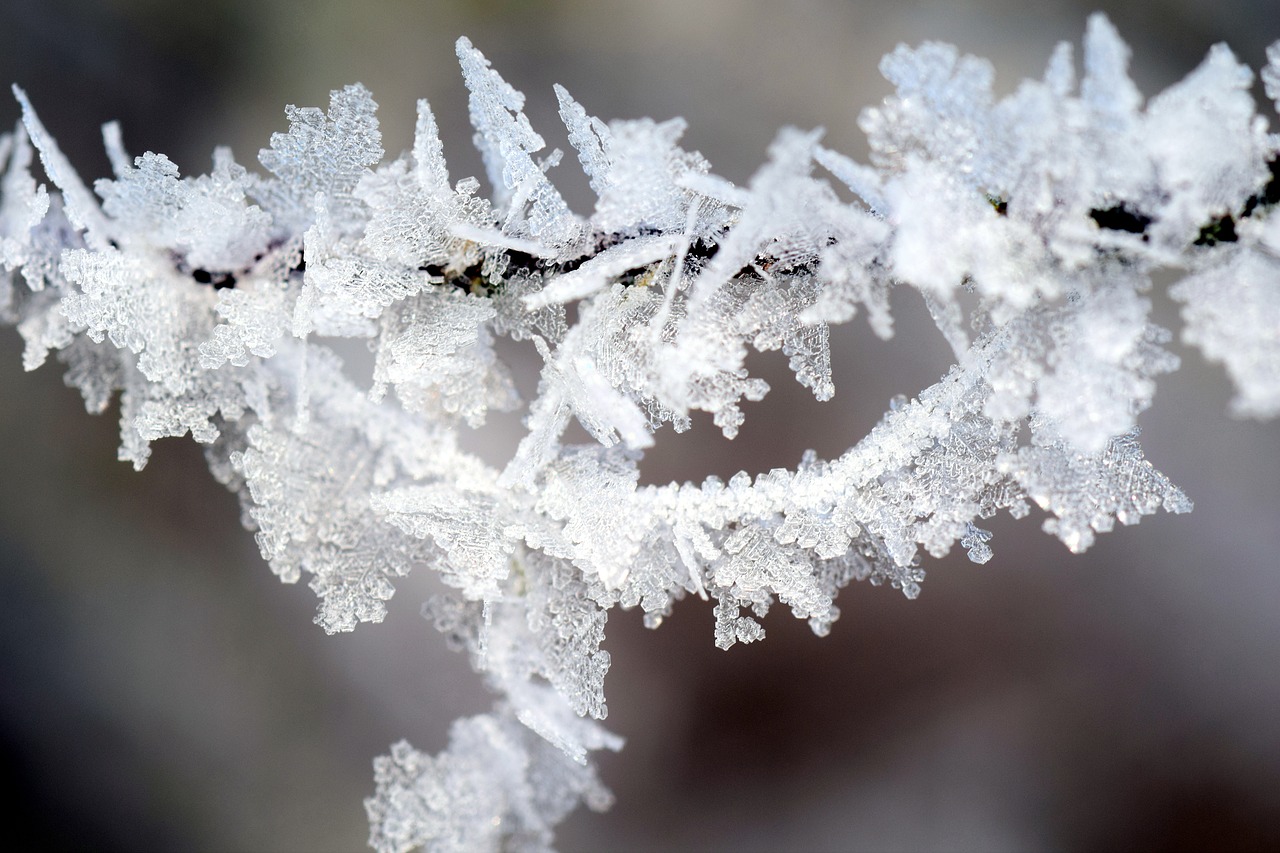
(1030, 224)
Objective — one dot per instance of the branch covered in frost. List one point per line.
(1031, 225)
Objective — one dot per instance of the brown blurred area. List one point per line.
(159, 689)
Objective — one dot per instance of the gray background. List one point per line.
(160, 689)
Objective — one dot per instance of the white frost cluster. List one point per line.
(1031, 225)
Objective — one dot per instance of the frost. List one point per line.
(1231, 312)
(206, 221)
(1031, 225)
(1089, 493)
(466, 525)
(507, 142)
(82, 209)
(497, 786)
(325, 154)
(22, 206)
(437, 354)
(1102, 368)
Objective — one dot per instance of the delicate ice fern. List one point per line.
(1031, 225)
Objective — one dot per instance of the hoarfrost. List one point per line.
(1031, 224)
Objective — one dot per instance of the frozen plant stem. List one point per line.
(198, 300)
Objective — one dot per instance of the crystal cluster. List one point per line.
(1031, 225)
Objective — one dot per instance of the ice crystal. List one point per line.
(1031, 225)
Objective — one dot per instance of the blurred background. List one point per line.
(159, 689)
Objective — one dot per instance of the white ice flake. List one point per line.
(532, 205)
(469, 526)
(206, 221)
(326, 153)
(1103, 366)
(82, 209)
(1087, 494)
(1232, 313)
(498, 786)
(1212, 170)
(590, 137)
(603, 269)
(22, 205)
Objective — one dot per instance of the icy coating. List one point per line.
(200, 301)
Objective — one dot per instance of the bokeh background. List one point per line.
(159, 689)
